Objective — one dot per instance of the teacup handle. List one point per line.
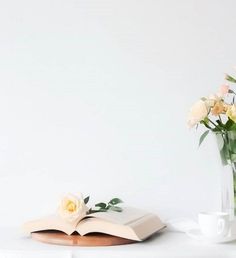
(220, 226)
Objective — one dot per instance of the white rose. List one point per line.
(72, 207)
(197, 113)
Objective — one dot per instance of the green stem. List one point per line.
(227, 144)
(214, 124)
(220, 119)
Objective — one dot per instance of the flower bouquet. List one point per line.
(217, 113)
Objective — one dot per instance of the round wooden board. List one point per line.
(96, 239)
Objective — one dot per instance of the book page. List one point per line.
(131, 223)
(52, 222)
(146, 226)
(128, 215)
(91, 225)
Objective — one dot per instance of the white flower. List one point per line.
(231, 112)
(197, 113)
(72, 207)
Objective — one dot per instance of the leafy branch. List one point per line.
(104, 207)
(230, 78)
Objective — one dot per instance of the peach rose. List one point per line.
(224, 89)
(218, 108)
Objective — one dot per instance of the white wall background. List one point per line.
(94, 97)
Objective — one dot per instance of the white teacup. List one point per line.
(214, 224)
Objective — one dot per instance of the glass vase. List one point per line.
(227, 147)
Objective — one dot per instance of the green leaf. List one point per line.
(102, 205)
(228, 124)
(230, 78)
(233, 157)
(115, 201)
(86, 200)
(233, 127)
(203, 136)
(231, 91)
(115, 208)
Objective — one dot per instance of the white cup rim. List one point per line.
(213, 213)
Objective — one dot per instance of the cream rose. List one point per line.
(231, 112)
(72, 207)
(197, 113)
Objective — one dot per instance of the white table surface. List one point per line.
(166, 244)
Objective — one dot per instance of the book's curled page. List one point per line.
(52, 222)
(131, 223)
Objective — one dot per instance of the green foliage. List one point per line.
(230, 78)
(227, 146)
(218, 113)
(86, 200)
(231, 91)
(115, 201)
(104, 207)
(203, 136)
(206, 123)
(229, 124)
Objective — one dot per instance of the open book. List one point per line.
(131, 223)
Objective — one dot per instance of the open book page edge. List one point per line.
(138, 229)
(99, 225)
(52, 222)
(147, 226)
